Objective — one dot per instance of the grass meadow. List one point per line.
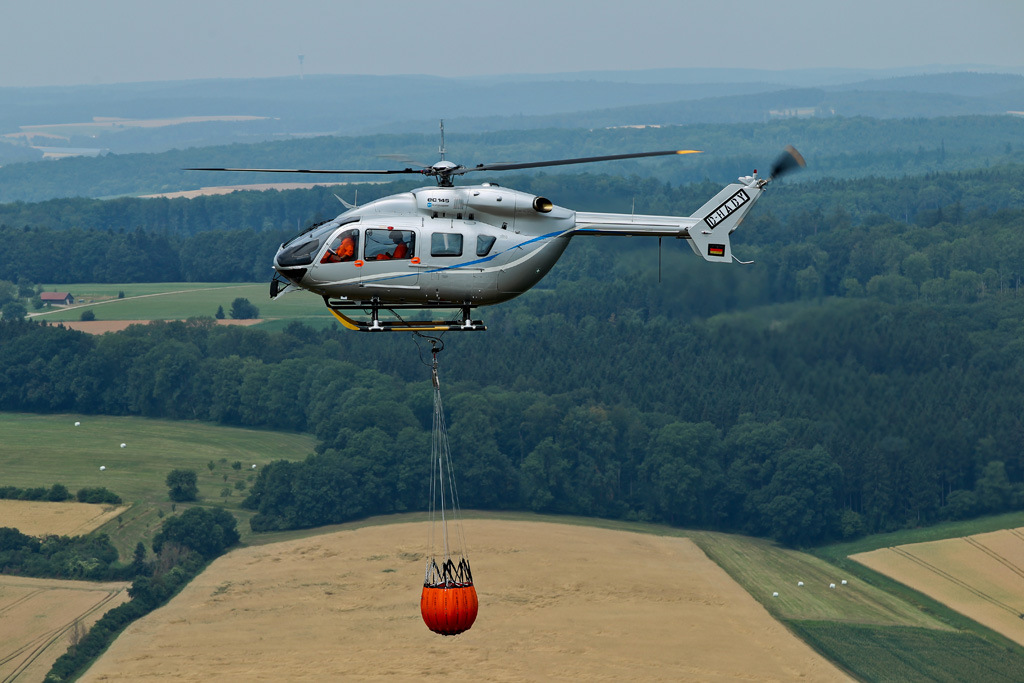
(764, 568)
(41, 450)
(178, 301)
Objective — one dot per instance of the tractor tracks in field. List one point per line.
(28, 596)
(995, 556)
(938, 571)
(29, 652)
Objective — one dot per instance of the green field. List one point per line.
(898, 653)
(41, 450)
(178, 301)
(764, 568)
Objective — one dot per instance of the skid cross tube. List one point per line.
(343, 310)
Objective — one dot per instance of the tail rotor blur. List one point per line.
(789, 160)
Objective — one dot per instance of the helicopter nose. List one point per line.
(290, 260)
(293, 274)
(297, 253)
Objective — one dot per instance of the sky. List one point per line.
(73, 42)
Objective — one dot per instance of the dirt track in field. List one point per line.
(979, 576)
(556, 601)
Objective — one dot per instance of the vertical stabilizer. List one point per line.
(716, 220)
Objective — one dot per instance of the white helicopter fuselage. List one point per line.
(475, 245)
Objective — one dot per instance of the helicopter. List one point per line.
(447, 248)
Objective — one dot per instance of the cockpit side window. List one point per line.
(446, 244)
(342, 248)
(385, 245)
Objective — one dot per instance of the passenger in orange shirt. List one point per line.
(401, 249)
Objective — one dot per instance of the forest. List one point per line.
(865, 374)
(836, 419)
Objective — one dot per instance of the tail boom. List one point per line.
(707, 230)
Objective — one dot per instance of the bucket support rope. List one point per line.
(449, 601)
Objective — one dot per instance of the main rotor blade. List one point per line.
(580, 160)
(306, 170)
(402, 159)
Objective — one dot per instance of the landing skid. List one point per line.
(342, 310)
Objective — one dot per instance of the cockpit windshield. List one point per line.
(301, 250)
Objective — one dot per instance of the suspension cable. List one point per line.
(443, 490)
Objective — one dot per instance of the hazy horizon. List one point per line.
(122, 41)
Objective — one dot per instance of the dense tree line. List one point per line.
(943, 237)
(59, 493)
(91, 557)
(288, 211)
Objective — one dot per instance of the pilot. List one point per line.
(344, 252)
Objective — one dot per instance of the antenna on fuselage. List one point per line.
(347, 205)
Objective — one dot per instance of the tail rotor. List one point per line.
(789, 160)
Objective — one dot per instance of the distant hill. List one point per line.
(359, 105)
(834, 146)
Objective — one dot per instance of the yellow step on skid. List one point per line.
(407, 325)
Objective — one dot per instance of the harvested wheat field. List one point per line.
(979, 576)
(37, 618)
(556, 601)
(38, 518)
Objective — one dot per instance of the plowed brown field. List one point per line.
(556, 601)
(979, 576)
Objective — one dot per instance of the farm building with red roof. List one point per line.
(59, 298)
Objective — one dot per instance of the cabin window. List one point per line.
(344, 247)
(484, 244)
(386, 245)
(446, 244)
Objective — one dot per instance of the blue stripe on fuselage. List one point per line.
(469, 264)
